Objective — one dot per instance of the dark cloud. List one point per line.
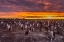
(31, 5)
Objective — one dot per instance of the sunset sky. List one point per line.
(27, 8)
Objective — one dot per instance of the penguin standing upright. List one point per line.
(27, 32)
(9, 27)
(52, 35)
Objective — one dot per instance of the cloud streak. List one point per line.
(31, 5)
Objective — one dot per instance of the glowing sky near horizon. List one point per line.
(33, 15)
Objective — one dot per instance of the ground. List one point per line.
(18, 35)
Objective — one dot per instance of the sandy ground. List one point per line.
(18, 35)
